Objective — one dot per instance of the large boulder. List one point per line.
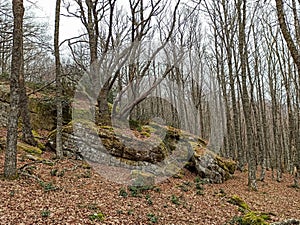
(160, 149)
(211, 166)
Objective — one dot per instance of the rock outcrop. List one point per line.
(41, 106)
(154, 149)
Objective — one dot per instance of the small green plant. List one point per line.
(200, 181)
(222, 192)
(157, 189)
(199, 186)
(135, 125)
(48, 186)
(54, 172)
(12, 193)
(57, 173)
(136, 191)
(119, 212)
(45, 213)
(123, 193)
(185, 186)
(130, 212)
(152, 218)
(149, 200)
(175, 200)
(296, 186)
(197, 180)
(97, 216)
(199, 192)
(236, 220)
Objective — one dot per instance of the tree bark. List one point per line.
(296, 57)
(10, 164)
(241, 7)
(59, 116)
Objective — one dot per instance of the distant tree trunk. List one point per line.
(59, 117)
(293, 48)
(241, 8)
(10, 164)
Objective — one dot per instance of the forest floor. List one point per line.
(71, 192)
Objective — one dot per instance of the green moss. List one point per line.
(110, 128)
(175, 200)
(173, 133)
(29, 149)
(123, 193)
(253, 218)
(145, 134)
(36, 134)
(226, 164)
(43, 109)
(231, 165)
(179, 175)
(135, 125)
(40, 145)
(97, 216)
(236, 200)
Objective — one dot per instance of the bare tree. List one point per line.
(293, 46)
(59, 108)
(10, 164)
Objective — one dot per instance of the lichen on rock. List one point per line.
(166, 147)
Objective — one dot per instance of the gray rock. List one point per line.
(288, 222)
(110, 146)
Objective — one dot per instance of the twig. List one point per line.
(41, 88)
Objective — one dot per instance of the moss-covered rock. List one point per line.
(29, 149)
(41, 106)
(165, 146)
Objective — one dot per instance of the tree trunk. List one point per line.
(245, 97)
(27, 135)
(296, 57)
(10, 164)
(59, 117)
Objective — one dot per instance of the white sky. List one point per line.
(45, 11)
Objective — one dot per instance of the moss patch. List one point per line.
(29, 149)
(226, 164)
(254, 218)
(236, 200)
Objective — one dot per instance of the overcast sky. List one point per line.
(45, 11)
